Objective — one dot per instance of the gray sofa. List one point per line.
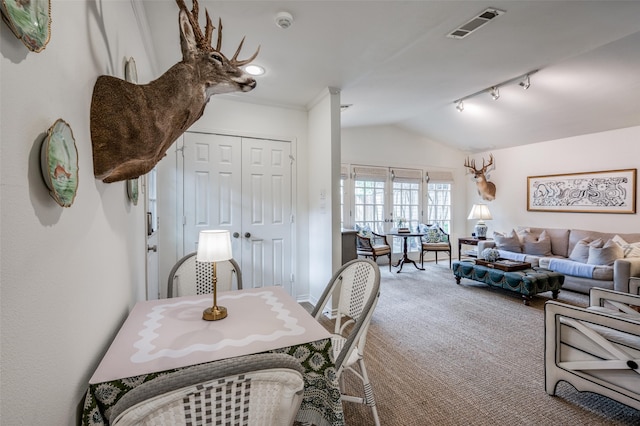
(555, 249)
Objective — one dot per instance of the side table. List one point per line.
(469, 241)
(405, 256)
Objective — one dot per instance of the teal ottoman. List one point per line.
(527, 282)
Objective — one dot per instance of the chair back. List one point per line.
(358, 285)
(189, 277)
(263, 389)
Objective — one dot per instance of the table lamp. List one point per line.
(214, 246)
(480, 212)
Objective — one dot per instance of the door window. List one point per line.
(369, 204)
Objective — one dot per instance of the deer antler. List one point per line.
(204, 40)
(470, 164)
(484, 168)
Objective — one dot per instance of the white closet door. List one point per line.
(243, 185)
(212, 187)
(266, 221)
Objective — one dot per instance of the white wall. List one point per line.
(68, 275)
(612, 150)
(324, 172)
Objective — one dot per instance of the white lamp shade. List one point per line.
(214, 246)
(480, 212)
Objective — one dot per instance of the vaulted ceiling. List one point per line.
(395, 65)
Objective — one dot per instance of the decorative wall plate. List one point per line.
(30, 21)
(131, 75)
(59, 163)
(130, 71)
(133, 190)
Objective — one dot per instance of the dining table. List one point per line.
(166, 335)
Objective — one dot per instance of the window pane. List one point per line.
(369, 204)
(406, 209)
(439, 208)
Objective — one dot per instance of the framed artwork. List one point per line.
(59, 163)
(610, 191)
(29, 20)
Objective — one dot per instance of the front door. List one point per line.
(243, 185)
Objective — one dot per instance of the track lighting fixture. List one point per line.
(495, 93)
(523, 80)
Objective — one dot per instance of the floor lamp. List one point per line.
(214, 246)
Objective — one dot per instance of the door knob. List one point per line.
(247, 234)
(152, 248)
(236, 235)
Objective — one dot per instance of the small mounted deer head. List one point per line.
(133, 126)
(486, 189)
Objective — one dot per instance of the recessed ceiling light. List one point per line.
(254, 69)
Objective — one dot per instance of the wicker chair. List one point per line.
(595, 349)
(264, 389)
(440, 244)
(374, 246)
(358, 285)
(189, 277)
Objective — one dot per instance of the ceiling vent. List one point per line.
(475, 23)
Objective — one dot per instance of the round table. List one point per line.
(405, 258)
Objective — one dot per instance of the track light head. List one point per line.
(495, 93)
(460, 106)
(525, 83)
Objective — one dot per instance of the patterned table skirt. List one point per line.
(321, 404)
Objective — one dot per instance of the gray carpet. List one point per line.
(439, 353)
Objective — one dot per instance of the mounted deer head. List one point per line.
(486, 189)
(133, 126)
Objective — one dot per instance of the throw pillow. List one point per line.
(364, 231)
(605, 255)
(521, 232)
(629, 249)
(580, 252)
(539, 246)
(422, 228)
(507, 242)
(433, 235)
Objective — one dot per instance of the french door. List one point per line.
(384, 198)
(242, 185)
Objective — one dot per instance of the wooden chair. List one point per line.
(595, 349)
(437, 241)
(374, 246)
